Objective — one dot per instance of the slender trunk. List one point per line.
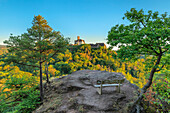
(148, 84)
(46, 70)
(41, 84)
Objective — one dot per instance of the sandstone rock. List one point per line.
(76, 93)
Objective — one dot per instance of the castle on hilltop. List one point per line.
(81, 41)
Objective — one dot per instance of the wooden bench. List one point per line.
(101, 84)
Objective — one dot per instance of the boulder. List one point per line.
(75, 93)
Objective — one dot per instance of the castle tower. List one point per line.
(78, 37)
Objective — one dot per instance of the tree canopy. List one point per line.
(146, 34)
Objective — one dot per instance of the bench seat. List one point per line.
(99, 87)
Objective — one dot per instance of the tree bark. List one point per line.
(46, 70)
(148, 84)
(41, 85)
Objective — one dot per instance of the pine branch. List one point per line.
(25, 64)
(50, 56)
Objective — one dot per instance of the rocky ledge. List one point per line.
(76, 93)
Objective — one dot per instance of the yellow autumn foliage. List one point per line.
(138, 66)
(18, 75)
(52, 71)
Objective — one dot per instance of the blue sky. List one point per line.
(90, 19)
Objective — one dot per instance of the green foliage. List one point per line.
(162, 89)
(63, 67)
(23, 101)
(147, 34)
(19, 94)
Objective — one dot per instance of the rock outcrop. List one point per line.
(76, 93)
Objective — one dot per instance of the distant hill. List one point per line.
(2, 46)
(3, 49)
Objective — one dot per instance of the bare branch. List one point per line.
(151, 49)
(165, 51)
(160, 50)
(161, 67)
(154, 50)
(143, 23)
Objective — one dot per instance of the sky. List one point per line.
(89, 19)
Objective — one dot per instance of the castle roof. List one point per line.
(79, 40)
(97, 45)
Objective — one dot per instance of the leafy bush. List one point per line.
(20, 101)
(158, 94)
(19, 93)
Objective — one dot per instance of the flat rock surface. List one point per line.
(76, 93)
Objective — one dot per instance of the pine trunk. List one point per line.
(41, 84)
(46, 69)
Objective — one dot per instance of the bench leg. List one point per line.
(118, 88)
(99, 90)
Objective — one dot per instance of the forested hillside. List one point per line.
(17, 80)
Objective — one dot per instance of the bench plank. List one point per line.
(107, 85)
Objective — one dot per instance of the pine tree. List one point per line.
(36, 46)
